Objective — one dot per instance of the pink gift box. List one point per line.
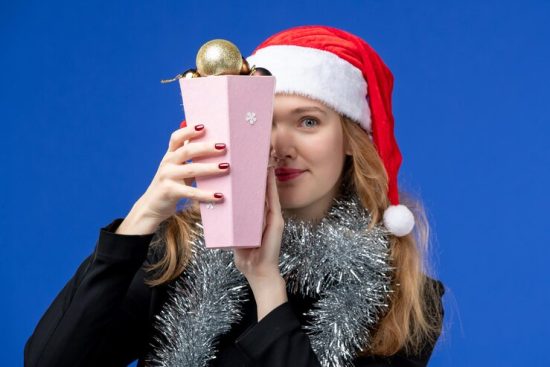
(238, 111)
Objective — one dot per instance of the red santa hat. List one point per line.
(344, 72)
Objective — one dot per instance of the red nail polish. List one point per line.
(220, 146)
(218, 195)
(223, 165)
(199, 127)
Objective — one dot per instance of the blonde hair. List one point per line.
(413, 318)
(407, 324)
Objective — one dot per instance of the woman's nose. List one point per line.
(282, 144)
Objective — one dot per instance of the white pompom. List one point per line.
(399, 220)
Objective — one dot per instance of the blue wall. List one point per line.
(85, 123)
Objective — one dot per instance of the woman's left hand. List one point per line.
(260, 265)
(263, 262)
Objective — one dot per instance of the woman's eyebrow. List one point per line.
(307, 109)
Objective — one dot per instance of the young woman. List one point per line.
(339, 278)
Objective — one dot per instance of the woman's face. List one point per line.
(307, 149)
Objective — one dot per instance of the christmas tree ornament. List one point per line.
(219, 57)
(191, 73)
(245, 69)
(260, 72)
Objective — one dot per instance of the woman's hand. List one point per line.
(260, 265)
(173, 181)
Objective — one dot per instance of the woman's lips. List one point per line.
(287, 174)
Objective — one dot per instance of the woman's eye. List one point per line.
(309, 122)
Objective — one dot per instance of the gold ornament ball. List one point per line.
(219, 57)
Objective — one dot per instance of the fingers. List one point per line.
(173, 182)
(272, 193)
(180, 151)
(195, 150)
(183, 191)
(179, 136)
(273, 215)
(179, 172)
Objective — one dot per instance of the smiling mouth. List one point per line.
(287, 176)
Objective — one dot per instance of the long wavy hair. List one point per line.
(413, 316)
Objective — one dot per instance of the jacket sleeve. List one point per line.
(401, 358)
(99, 317)
(278, 340)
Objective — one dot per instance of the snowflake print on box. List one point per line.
(251, 118)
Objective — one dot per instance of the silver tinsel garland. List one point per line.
(202, 305)
(338, 261)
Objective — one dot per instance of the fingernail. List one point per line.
(220, 146)
(223, 165)
(218, 195)
(199, 127)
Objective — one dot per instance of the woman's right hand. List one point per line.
(173, 181)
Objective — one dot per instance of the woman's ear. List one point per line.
(347, 147)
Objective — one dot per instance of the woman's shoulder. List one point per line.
(434, 290)
(436, 284)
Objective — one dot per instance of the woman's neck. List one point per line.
(316, 210)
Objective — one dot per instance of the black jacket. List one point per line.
(104, 315)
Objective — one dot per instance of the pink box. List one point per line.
(236, 110)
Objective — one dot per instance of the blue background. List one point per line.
(85, 123)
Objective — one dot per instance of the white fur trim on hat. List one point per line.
(399, 220)
(317, 74)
